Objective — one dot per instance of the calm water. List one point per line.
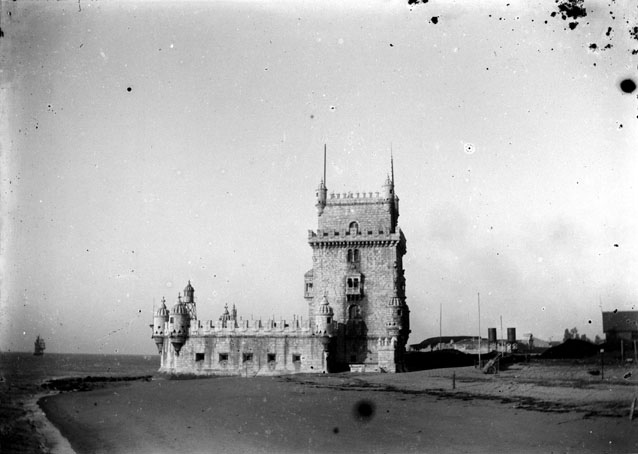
(24, 368)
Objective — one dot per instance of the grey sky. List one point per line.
(206, 168)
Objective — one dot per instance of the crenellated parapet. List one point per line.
(255, 327)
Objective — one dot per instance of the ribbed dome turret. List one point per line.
(179, 308)
(189, 293)
(324, 307)
(162, 311)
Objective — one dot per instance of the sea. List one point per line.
(25, 368)
(21, 379)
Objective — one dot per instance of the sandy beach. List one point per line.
(527, 408)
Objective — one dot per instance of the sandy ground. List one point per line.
(527, 408)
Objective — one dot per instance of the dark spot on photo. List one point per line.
(628, 86)
(129, 89)
(435, 19)
(335, 430)
(363, 410)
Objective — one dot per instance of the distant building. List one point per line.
(357, 315)
(620, 325)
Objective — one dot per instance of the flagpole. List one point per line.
(479, 328)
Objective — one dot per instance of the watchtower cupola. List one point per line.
(322, 195)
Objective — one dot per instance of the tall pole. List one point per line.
(479, 327)
(440, 318)
(502, 332)
(324, 165)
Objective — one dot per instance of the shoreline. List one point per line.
(239, 414)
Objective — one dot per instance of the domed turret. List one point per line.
(395, 323)
(159, 325)
(179, 324)
(323, 318)
(227, 319)
(189, 293)
(388, 188)
(322, 195)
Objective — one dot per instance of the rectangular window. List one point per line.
(223, 357)
(247, 357)
(199, 357)
(296, 358)
(272, 357)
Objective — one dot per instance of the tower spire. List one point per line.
(391, 164)
(324, 164)
(322, 191)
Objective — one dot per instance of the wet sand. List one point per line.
(520, 410)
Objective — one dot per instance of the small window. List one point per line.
(223, 357)
(325, 233)
(356, 255)
(380, 232)
(369, 232)
(171, 319)
(199, 357)
(247, 357)
(336, 233)
(272, 357)
(296, 358)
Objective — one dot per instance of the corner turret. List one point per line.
(189, 293)
(323, 318)
(322, 190)
(322, 195)
(179, 324)
(159, 325)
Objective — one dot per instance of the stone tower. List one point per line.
(357, 259)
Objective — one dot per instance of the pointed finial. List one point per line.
(324, 164)
(391, 163)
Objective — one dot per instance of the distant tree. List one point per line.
(584, 337)
(598, 340)
(574, 333)
(567, 335)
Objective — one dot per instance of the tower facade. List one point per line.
(357, 256)
(358, 318)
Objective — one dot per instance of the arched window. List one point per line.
(349, 255)
(354, 228)
(356, 255)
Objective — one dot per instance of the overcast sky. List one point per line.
(146, 144)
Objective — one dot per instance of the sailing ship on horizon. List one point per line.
(40, 346)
